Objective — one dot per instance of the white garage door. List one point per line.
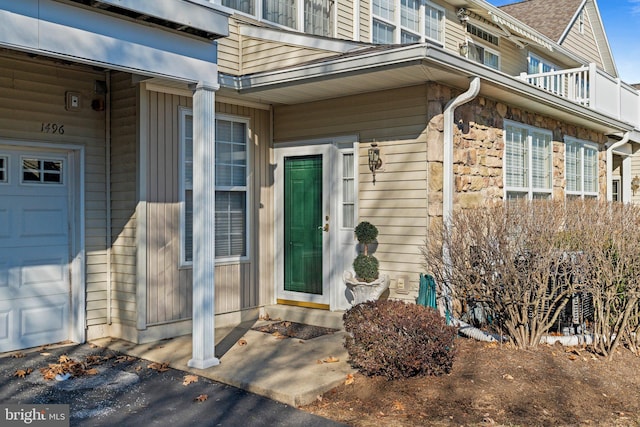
(34, 249)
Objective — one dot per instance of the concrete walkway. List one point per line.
(291, 371)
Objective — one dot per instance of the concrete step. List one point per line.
(309, 316)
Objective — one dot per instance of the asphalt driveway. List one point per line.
(113, 389)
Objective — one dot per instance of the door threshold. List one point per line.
(304, 304)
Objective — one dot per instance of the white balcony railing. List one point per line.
(592, 88)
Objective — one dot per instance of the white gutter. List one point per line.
(609, 160)
(448, 182)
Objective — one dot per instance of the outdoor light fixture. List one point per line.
(635, 182)
(463, 15)
(375, 162)
(464, 49)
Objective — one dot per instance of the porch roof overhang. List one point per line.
(167, 39)
(391, 67)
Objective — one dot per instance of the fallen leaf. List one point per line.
(318, 362)
(93, 346)
(93, 360)
(188, 379)
(350, 379)
(17, 355)
(398, 406)
(331, 359)
(319, 398)
(507, 377)
(64, 359)
(123, 358)
(138, 368)
(201, 398)
(21, 373)
(242, 342)
(92, 371)
(160, 367)
(277, 335)
(572, 357)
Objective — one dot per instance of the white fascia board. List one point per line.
(426, 54)
(59, 30)
(300, 39)
(201, 15)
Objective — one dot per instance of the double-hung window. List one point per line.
(406, 21)
(311, 16)
(581, 168)
(231, 189)
(528, 169)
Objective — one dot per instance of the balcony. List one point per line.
(592, 88)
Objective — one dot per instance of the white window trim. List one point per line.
(529, 190)
(582, 144)
(246, 188)
(399, 28)
(184, 111)
(299, 16)
(542, 61)
(486, 48)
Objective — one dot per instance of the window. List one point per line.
(615, 190)
(41, 171)
(581, 22)
(482, 34)
(538, 65)
(528, 167)
(348, 192)
(483, 55)
(230, 183)
(415, 19)
(316, 15)
(4, 175)
(581, 168)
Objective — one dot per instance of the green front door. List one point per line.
(303, 224)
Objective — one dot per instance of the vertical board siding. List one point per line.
(32, 92)
(397, 202)
(168, 289)
(239, 285)
(123, 198)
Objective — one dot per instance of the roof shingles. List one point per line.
(550, 17)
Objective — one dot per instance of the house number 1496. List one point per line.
(52, 128)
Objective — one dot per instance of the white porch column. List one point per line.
(204, 142)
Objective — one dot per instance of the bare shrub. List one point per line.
(523, 261)
(609, 236)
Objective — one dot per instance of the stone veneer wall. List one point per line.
(479, 150)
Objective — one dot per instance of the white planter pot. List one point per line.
(365, 291)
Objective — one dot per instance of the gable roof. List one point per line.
(550, 17)
(554, 19)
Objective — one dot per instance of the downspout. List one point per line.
(447, 168)
(448, 181)
(609, 160)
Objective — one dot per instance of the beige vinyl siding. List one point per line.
(250, 284)
(32, 92)
(345, 20)
(365, 20)
(583, 44)
(261, 55)
(123, 198)
(228, 50)
(239, 285)
(169, 291)
(396, 204)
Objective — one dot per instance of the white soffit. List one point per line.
(50, 28)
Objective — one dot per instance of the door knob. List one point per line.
(326, 227)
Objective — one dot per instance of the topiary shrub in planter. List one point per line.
(394, 339)
(365, 265)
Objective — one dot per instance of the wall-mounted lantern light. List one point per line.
(375, 162)
(464, 49)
